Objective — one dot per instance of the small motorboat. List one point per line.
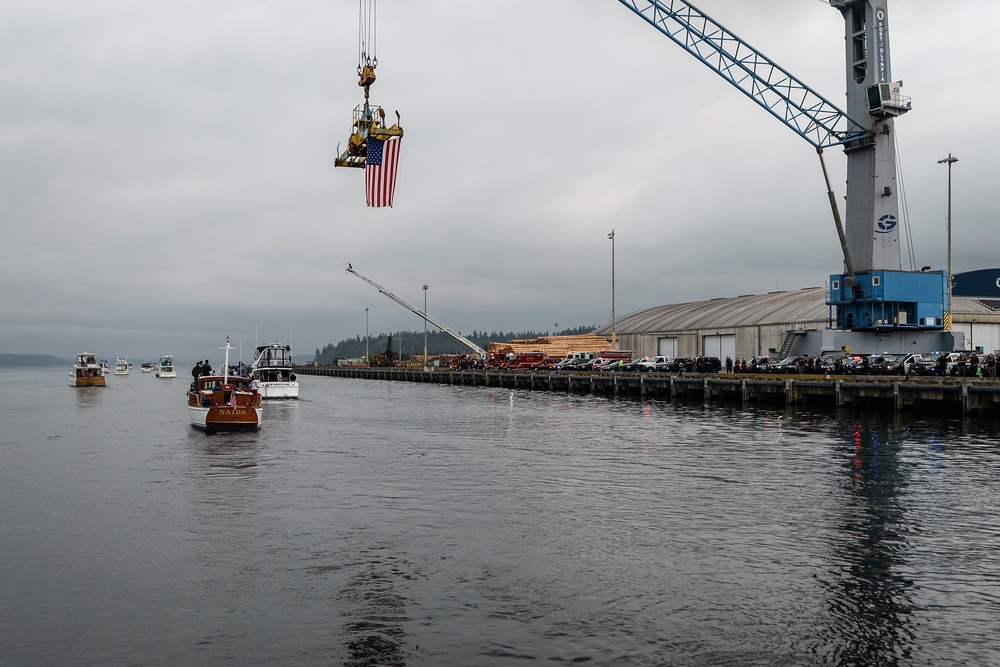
(87, 372)
(272, 367)
(225, 402)
(165, 369)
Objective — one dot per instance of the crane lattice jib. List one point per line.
(806, 112)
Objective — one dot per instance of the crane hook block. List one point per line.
(367, 76)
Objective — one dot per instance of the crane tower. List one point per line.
(872, 294)
(872, 206)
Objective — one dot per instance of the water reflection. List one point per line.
(870, 601)
(375, 610)
(88, 398)
(234, 454)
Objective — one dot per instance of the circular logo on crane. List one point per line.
(885, 224)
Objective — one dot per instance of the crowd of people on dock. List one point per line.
(947, 364)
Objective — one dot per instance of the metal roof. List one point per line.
(804, 305)
(807, 304)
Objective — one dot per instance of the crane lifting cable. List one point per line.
(367, 47)
(372, 145)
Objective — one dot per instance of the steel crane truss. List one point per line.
(806, 112)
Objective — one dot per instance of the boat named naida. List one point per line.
(224, 402)
(87, 372)
(272, 368)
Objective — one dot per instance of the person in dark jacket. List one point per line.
(195, 374)
(206, 368)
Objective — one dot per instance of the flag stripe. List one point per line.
(380, 171)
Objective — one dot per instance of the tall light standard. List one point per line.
(425, 326)
(367, 358)
(949, 161)
(614, 340)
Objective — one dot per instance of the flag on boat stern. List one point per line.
(380, 170)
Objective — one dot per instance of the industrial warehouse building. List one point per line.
(780, 324)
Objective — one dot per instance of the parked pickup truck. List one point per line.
(660, 361)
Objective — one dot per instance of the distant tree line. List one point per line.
(34, 360)
(408, 343)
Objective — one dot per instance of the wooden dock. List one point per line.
(958, 396)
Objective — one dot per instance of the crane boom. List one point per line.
(413, 309)
(806, 112)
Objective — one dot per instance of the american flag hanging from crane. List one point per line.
(380, 170)
(372, 145)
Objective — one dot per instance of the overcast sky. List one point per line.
(167, 179)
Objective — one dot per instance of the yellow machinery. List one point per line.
(369, 120)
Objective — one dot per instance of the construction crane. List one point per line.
(368, 120)
(430, 320)
(873, 293)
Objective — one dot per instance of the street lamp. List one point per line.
(425, 326)
(367, 358)
(614, 342)
(949, 161)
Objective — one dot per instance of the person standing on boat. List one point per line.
(254, 385)
(206, 368)
(195, 374)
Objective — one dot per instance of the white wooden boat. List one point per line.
(225, 402)
(121, 366)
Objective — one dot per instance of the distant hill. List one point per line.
(25, 360)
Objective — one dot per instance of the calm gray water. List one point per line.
(378, 523)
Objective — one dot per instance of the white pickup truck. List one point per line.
(651, 364)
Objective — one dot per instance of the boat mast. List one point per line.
(225, 366)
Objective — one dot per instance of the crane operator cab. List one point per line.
(885, 100)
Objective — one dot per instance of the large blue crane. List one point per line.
(872, 293)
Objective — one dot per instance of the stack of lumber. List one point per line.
(553, 346)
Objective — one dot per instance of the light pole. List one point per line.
(949, 161)
(614, 340)
(425, 326)
(367, 358)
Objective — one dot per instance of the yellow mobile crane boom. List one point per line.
(413, 309)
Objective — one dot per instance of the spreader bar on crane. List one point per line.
(413, 309)
(795, 104)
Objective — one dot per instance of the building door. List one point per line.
(719, 345)
(667, 347)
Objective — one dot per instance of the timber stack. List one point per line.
(552, 346)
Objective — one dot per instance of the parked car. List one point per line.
(830, 364)
(945, 363)
(858, 364)
(573, 364)
(632, 365)
(900, 364)
(651, 363)
(786, 366)
(708, 365)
